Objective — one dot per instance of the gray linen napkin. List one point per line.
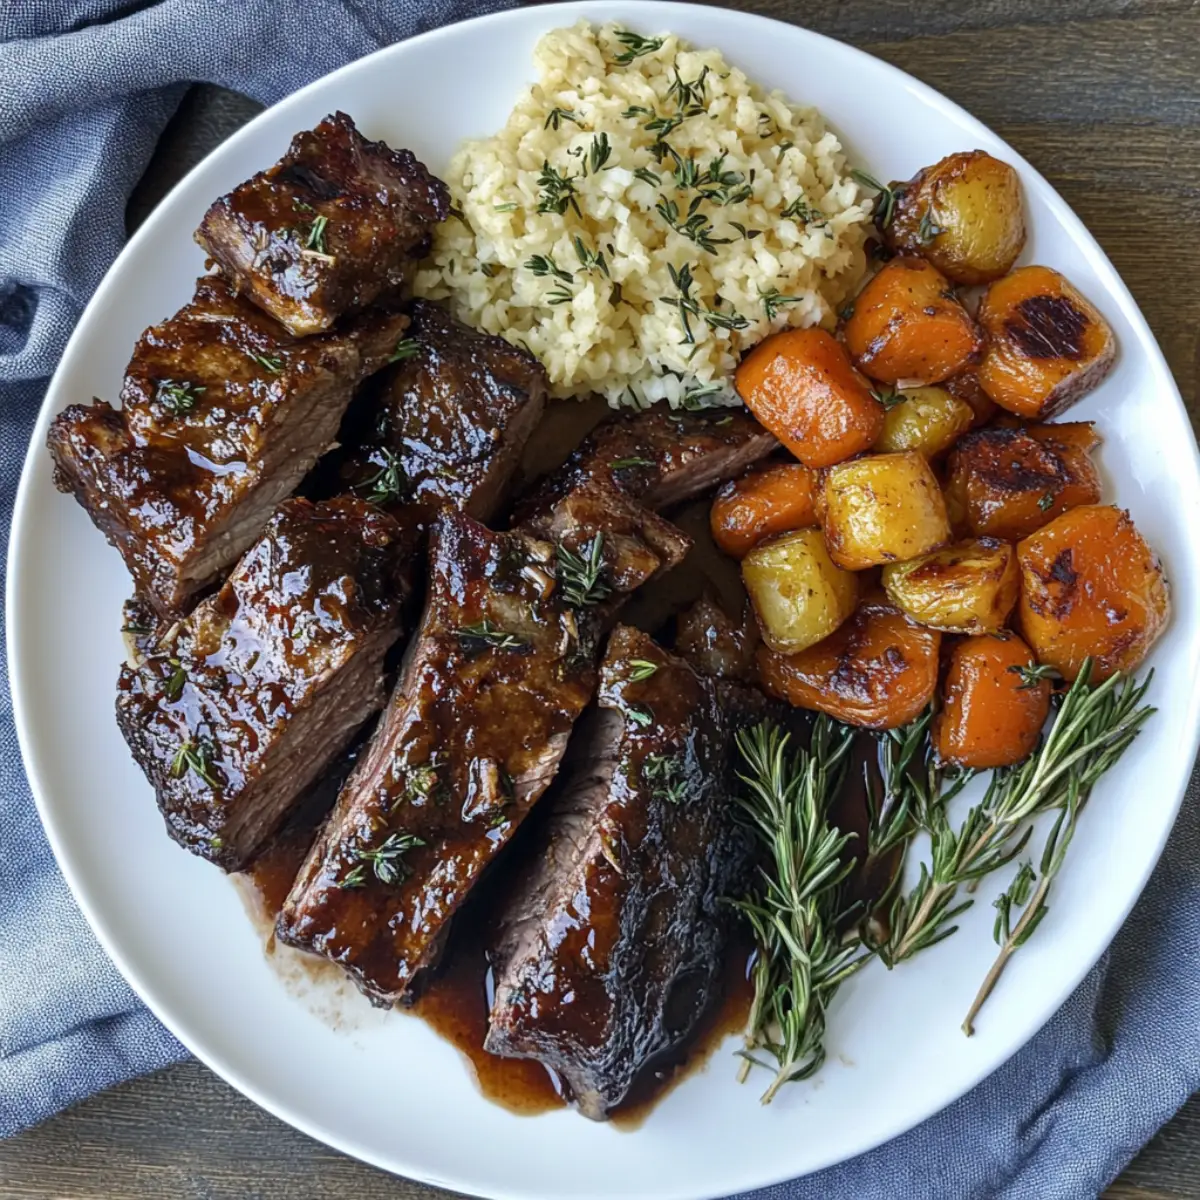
(85, 89)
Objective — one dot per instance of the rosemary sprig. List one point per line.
(794, 909)
(387, 485)
(635, 46)
(405, 348)
(580, 574)
(557, 192)
(176, 397)
(1094, 727)
(483, 634)
(885, 204)
(557, 116)
(197, 757)
(386, 860)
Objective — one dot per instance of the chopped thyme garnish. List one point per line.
(772, 302)
(664, 773)
(885, 204)
(643, 668)
(177, 398)
(483, 634)
(405, 348)
(590, 258)
(268, 363)
(696, 399)
(196, 757)
(387, 485)
(635, 46)
(544, 264)
(558, 192)
(888, 397)
(748, 234)
(387, 861)
(689, 307)
(512, 206)
(1033, 675)
(800, 210)
(640, 715)
(314, 239)
(559, 295)
(696, 227)
(173, 688)
(1046, 501)
(648, 176)
(621, 463)
(300, 206)
(599, 153)
(557, 116)
(579, 573)
(689, 96)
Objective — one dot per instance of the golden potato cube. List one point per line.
(926, 419)
(799, 595)
(883, 508)
(970, 587)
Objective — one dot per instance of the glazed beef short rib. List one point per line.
(491, 686)
(453, 419)
(613, 941)
(329, 228)
(223, 412)
(243, 704)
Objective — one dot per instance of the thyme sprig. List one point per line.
(386, 861)
(885, 203)
(795, 906)
(314, 238)
(666, 776)
(688, 306)
(773, 301)
(177, 397)
(590, 259)
(557, 192)
(557, 116)
(405, 348)
(388, 483)
(696, 226)
(195, 756)
(544, 264)
(580, 575)
(635, 46)
(483, 634)
(641, 669)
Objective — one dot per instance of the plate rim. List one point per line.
(546, 17)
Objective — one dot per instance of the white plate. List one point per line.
(383, 1087)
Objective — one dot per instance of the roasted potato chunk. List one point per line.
(969, 587)
(772, 499)
(908, 327)
(927, 419)
(878, 670)
(799, 595)
(1091, 588)
(883, 508)
(994, 704)
(1047, 346)
(1007, 482)
(964, 215)
(800, 384)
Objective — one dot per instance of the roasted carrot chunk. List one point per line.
(877, 670)
(966, 387)
(1091, 588)
(908, 326)
(800, 384)
(1008, 482)
(994, 703)
(1047, 345)
(773, 499)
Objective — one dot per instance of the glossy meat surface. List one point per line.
(242, 705)
(660, 458)
(223, 412)
(327, 229)
(452, 421)
(613, 942)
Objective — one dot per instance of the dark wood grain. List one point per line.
(1103, 96)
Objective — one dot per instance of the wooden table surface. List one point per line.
(1103, 96)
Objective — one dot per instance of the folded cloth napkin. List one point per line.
(85, 89)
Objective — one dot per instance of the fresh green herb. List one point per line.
(589, 259)
(640, 715)
(544, 264)
(747, 234)
(1017, 896)
(637, 110)
(557, 192)
(642, 669)
(888, 397)
(173, 688)
(690, 97)
(621, 463)
(1093, 728)
(689, 307)
(558, 115)
(795, 907)
(648, 176)
(388, 483)
(387, 861)
(1031, 676)
(300, 206)
(666, 776)
(579, 574)
(928, 229)
(772, 302)
(599, 154)
(196, 757)
(268, 363)
(635, 46)
(1046, 501)
(559, 295)
(177, 398)
(885, 205)
(314, 239)
(616, 296)
(696, 227)
(420, 782)
(491, 270)
(484, 634)
(511, 206)
(800, 210)
(696, 399)
(405, 348)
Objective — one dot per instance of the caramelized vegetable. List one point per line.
(966, 388)
(908, 327)
(877, 670)
(964, 215)
(926, 419)
(970, 587)
(994, 704)
(1008, 482)
(803, 388)
(1091, 587)
(772, 499)
(1047, 345)
(799, 594)
(883, 508)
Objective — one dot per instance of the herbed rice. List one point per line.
(608, 295)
